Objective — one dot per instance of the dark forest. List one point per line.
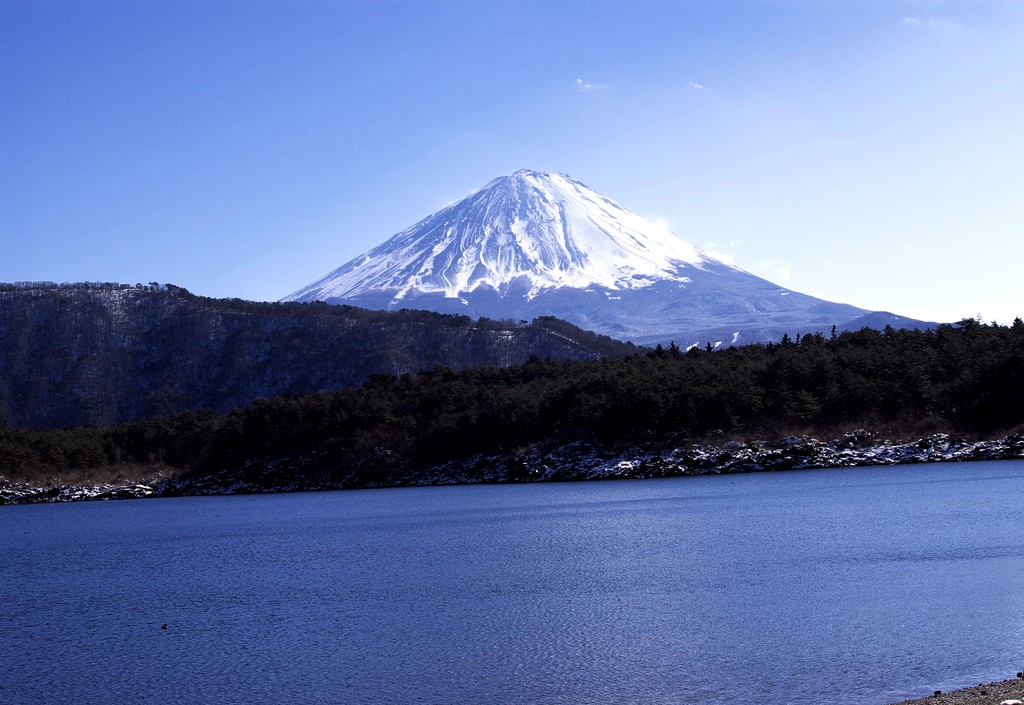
(966, 378)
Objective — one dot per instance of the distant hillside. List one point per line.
(75, 354)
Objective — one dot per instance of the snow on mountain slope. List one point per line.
(536, 244)
(532, 229)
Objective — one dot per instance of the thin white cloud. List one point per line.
(720, 253)
(931, 23)
(695, 85)
(584, 87)
(776, 268)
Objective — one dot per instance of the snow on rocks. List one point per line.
(579, 460)
(586, 461)
(18, 493)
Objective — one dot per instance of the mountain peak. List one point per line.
(540, 175)
(526, 232)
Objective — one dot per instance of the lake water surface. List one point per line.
(863, 585)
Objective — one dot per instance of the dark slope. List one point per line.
(106, 353)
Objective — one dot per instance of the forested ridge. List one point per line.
(74, 354)
(966, 378)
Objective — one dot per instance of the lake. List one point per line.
(862, 585)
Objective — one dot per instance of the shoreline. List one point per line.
(552, 462)
(981, 694)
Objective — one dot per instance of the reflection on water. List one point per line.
(870, 584)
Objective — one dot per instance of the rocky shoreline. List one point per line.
(555, 463)
(981, 694)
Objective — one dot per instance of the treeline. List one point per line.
(967, 378)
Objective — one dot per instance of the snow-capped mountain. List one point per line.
(537, 243)
(533, 230)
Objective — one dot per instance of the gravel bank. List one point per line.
(987, 694)
(550, 462)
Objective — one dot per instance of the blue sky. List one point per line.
(865, 151)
